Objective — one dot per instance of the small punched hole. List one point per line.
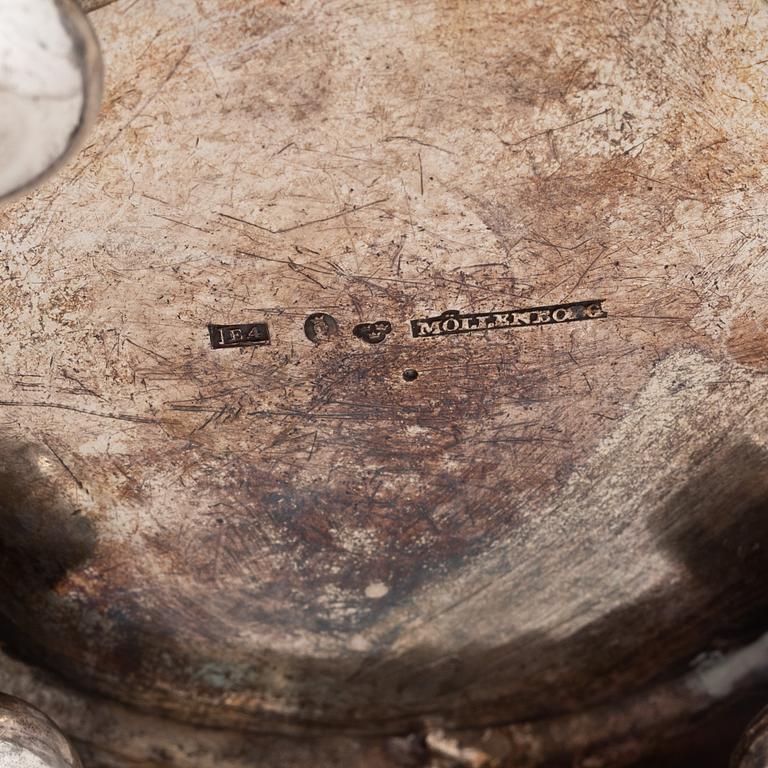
(409, 374)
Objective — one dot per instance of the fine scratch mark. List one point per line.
(148, 351)
(417, 141)
(584, 273)
(82, 386)
(65, 465)
(183, 223)
(555, 128)
(280, 151)
(755, 64)
(312, 447)
(347, 209)
(421, 176)
(61, 406)
(299, 269)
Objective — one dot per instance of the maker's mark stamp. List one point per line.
(244, 335)
(451, 321)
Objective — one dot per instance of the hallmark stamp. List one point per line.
(373, 333)
(320, 327)
(452, 321)
(244, 335)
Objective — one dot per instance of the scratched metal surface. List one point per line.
(293, 536)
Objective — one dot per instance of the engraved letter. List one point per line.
(522, 318)
(454, 325)
(595, 309)
(427, 328)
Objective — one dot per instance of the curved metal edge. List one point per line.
(93, 5)
(614, 734)
(752, 751)
(27, 728)
(87, 42)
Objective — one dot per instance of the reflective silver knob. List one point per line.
(50, 88)
(29, 739)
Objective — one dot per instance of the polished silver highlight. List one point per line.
(30, 739)
(50, 89)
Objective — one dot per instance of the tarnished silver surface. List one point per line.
(50, 89)
(283, 448)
